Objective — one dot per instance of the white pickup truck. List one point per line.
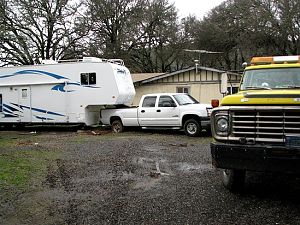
(165, 110)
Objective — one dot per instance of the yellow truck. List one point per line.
(258, 129)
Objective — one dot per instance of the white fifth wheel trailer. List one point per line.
(70, 92)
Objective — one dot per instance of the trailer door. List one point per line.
(25, 104)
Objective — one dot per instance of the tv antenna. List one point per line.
(200, 51)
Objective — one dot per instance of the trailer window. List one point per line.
(88, 78)
(149, 101)
(0, 102)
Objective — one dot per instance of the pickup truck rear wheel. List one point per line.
(117, 126)
(192, 128)
(233, 180)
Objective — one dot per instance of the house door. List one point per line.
(25, 104)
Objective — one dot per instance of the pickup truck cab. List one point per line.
(164, 110)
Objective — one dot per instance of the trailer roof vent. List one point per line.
(91, 59)
(48, 61)
(116, 61)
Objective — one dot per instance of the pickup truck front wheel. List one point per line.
(117, 126)
(192, 128)
(233, 180)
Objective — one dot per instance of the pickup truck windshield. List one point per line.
(279, 78)
(185, 99)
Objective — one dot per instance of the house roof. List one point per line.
(149, 77)
(136, 77)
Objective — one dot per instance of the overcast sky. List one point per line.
(195, 7)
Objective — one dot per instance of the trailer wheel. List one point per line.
(192, 128)
(117, 126)
(233, 180)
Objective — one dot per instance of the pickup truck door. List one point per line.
(163, 112)
(147, 111)
(167, 112)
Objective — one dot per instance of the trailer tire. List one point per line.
(192, 128)
(233, 180)
(117, 126)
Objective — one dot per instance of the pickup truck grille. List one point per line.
(265, 124)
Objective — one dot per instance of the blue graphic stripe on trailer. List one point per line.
(17, 105)
(43, 118)
(89, 86)
(40, 72)
(37, 72)
(61, 87)
(10, 108)
(39, 110)
(5, 76)
(74, 83)
(8, 112)
(9, 115)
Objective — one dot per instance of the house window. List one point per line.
(183, 90)
(88, 78)
(232, 90)
(165, 101)
(149, 101)
(0, 102)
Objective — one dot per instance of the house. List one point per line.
(202, 83)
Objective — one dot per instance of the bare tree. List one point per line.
(243, 29)
(46, 29)
(161, 43)
(143, 32)
(115, 25)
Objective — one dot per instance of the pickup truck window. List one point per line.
(185, 99)
(149, 101)
(165, 101)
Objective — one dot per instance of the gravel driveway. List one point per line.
(142, 178)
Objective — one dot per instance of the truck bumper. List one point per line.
(256, 158)
(205, 123)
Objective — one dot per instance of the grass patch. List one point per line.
(6, 141)
(18, 168)
(12, 139)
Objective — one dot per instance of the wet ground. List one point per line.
(140, 178)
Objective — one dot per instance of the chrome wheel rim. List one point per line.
(117, 128)
(191, 128)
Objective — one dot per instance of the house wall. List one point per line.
(203, 86)
(202, 92)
